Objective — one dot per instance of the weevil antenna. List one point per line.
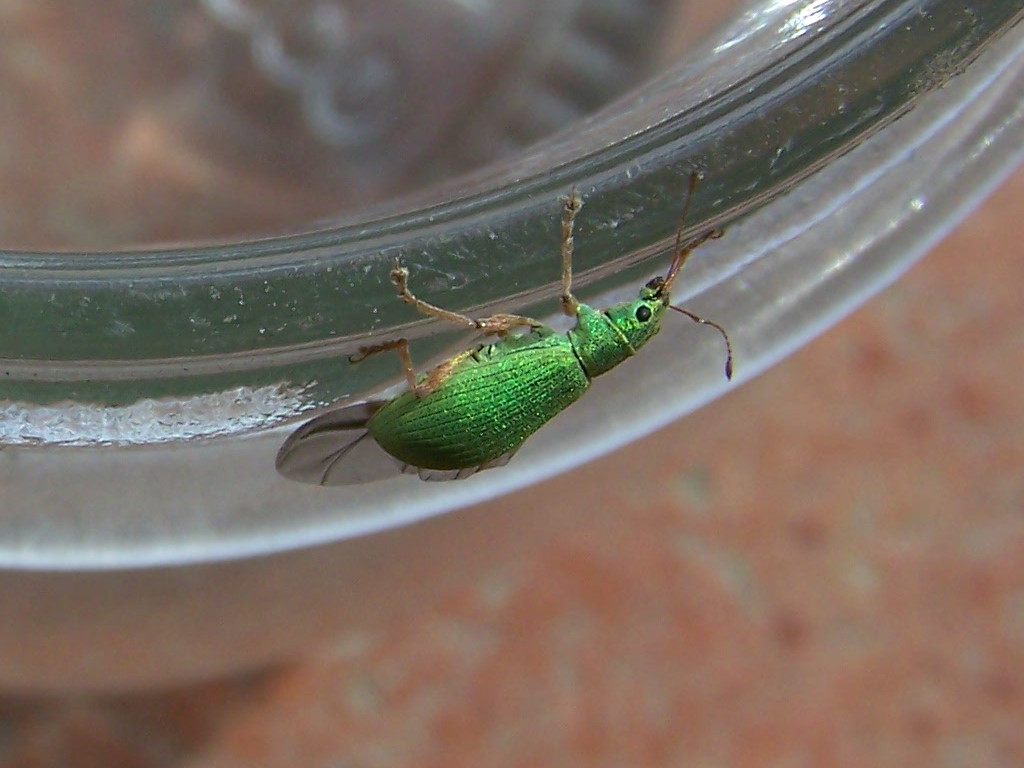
(683, 250)
(680, 250)
(728, 344)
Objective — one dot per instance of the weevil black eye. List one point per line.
(643, 313)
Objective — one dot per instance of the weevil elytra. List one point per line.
(474, 410)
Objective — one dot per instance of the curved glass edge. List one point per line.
(281, 314)
(817, 253)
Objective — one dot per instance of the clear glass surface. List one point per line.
(146, 392)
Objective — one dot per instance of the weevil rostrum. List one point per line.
(474, 410)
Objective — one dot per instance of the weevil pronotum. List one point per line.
(475, 409)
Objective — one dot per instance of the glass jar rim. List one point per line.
(771, 100)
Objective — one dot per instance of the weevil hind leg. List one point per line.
(497, 325)
(401, 346)
(571, 206)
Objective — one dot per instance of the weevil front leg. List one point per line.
(494, 324)
(573, 203)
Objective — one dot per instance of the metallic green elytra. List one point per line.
(474, 410)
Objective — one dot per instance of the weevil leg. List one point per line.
(572, 205)
(400, 277)
(499, 325)
(437, 375)
(492, 325)
(401, 346)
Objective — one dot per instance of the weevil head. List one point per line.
(639, 320)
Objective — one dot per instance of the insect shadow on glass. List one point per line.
(474, 410)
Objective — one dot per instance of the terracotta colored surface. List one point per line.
(823, 569)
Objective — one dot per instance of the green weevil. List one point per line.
(474, 410)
